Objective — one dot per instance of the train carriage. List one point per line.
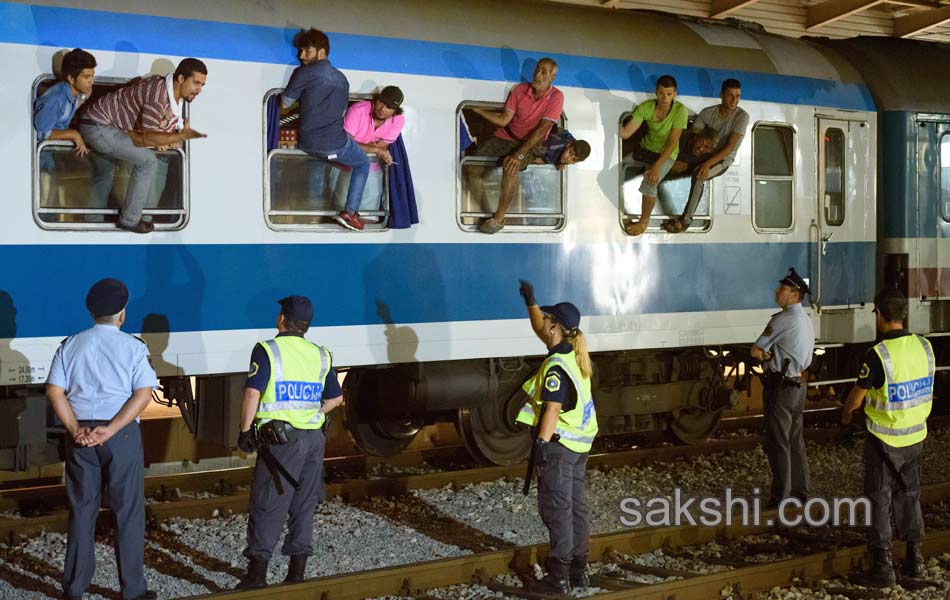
(426, 320)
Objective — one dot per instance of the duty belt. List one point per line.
(774, 380)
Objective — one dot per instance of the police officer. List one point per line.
(99, 382)
(560, 408)
(896, 387)
(785, 349)
(290, 388)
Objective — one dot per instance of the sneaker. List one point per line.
(140, 227)
(350, 221)
(491, 226)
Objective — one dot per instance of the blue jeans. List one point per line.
(113, 143)
(352, 156)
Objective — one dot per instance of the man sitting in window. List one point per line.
(727, 123)
(665, 118)
(374, 125)
(54, 110)
(560, 149)
(125, 123)
(323, 93)
(530, 111)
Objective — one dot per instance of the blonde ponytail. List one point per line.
(579, 343)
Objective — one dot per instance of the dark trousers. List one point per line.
(119, 464)
(892, 484)
(696, 191)
(562, 501)
(303, 459)
(784, 443)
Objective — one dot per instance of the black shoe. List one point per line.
(141, 227)
(556, 581)
(913, 561)
(256, 576)
(296, 569)
(880, 574)
(578, 573)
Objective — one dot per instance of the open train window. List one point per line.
(834, 176)
(538, 203)
(773, 176)
(72, 192)
(672, 193)
(945, 177)
(302, 192)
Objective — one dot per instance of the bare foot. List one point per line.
(636, 228)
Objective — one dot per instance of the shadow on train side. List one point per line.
(22, 409)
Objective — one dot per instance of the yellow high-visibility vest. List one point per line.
(294, 393)
(897, 411)
(578, 426)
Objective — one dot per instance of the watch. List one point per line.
(521, 157)
(540, 442)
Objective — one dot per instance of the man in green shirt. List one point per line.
(666, 118)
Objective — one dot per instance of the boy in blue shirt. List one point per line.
(54, 110)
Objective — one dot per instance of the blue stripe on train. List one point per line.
(219, 287)
(116, 31)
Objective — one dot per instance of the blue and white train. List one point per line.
(427, 320)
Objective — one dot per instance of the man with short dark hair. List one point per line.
(695, 149)
(785, 349)
(290, 388)
(53, 111)
(727, 124)
(560, 149)
(530, 111)
(896, 387)
(125, 123)
(324, 93)
(99, 383)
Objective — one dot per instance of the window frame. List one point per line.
(792, 224)
(843, 175)
(106, 225)
(509, 228)
(330, 226)
(944, 203)
(626, 218)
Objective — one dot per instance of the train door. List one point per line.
(844, 205)
(933, 208)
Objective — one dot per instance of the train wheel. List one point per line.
(490, 432)
(694, 425)
(379, 437)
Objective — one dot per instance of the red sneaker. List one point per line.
(350, 221)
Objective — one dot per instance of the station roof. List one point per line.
(918, 19)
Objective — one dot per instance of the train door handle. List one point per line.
(824, 242)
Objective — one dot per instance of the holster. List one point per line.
(276, 433)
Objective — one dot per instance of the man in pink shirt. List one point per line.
(530, 111)
(373, 125)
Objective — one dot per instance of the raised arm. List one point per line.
(498, 118)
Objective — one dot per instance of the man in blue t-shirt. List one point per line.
(323, 93)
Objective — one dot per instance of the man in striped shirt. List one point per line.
(126, 123)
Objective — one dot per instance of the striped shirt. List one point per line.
(144, 105)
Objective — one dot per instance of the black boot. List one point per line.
(913, 561)
(556, 581)
(578, 572)
(881, 572)
(256, 576)
(295, 572)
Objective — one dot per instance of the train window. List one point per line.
(773, 176)
(303, 192)
(945, 177)
(672, 193)
(72, 192)
(538, 201)
(834, 176)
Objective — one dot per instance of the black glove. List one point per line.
(527, 292)
(327, 419)
(247, 440)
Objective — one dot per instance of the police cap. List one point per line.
(795, 281)
(565, 314)
(107, 297)
(296, 308)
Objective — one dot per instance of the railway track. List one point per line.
(226, 490)
(819, 556)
